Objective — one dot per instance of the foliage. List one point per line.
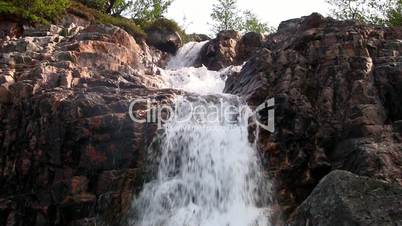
(34, 11)
(147, 11)
(47, 9)
(99, 17)
(111, 7)
(376, 12)
(395, 15)
(252, 23)
(225, 16)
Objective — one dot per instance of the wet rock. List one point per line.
(342, 198)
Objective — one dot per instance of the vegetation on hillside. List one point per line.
(146, 14)
(97, 16)
(34, 11)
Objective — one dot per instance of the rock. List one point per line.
(164, 39)
(248, 45)
(337, 90)
(198, 37)
(5, 96)
(9, 29)
(230, 48)
(221, 51)
(70, 150)
(40, 31)
(315, 20)
(342, 198)
(70, 20)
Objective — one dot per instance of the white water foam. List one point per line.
(186, 56)
(209, 174)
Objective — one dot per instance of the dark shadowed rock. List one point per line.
(9, 28)
(221, 51)
(342, 198)
(248, 45)
(164, 39)
(230, 48)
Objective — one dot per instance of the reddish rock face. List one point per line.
(69, 151)
(338, 96)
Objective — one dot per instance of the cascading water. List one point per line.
(209, 173)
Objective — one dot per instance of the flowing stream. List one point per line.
(209, 173)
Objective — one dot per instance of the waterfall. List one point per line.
(209, 173)
(186, 56)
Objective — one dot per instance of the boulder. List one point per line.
(248, 45)
(230, 48)
(221, 51)
(164, 39)
(342, 198)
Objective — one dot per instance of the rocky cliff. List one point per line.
(70, 154)
(337, 87)
(69, 150)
